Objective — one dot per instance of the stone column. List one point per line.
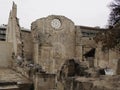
(79, 45)
(36, 52)
(79, 52)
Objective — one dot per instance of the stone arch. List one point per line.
(71, 68)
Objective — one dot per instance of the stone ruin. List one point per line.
(58, 55)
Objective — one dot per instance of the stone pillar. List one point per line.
(101, 57)
(13, 29)
(79, 45)
(79, 52)
(36, 52)
(118, 67)
(97, 55)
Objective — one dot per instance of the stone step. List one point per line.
(7, 83)
(9, 87)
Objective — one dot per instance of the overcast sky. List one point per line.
(81, 12)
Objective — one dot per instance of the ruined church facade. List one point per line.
(51, 41)
(40, 54)
(54, 41)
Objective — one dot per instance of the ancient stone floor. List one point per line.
(11, 80)
(10, 75)
(101, 83)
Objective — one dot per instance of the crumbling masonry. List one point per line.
(56, 55)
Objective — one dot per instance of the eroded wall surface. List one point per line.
(106, 58)
(45, 82)
(54, 41)
(5, 54)
(27, 45)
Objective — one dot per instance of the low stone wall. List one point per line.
(101, 83)
(5, 54)
(45, 81)
(16, 87)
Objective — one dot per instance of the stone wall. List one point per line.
(27, 44)
(5, 54)
(89, 83)
(84, 40)
(53, 44)
(79, 45)
(101, 57)
(106, 58)
(45, 81)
